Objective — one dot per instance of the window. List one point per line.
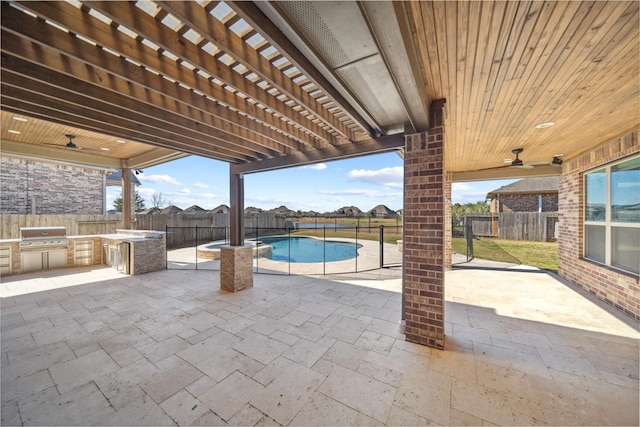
(612, 215)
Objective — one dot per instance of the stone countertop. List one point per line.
(124, 235)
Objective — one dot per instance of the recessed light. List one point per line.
(120, 141)
(104, 149)
(20, 119)
(545, 125)
(17, 132)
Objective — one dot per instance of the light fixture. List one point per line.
(120, 141)
(104, 149)
(16, 132)
(20, 119)
(557, 160)
(545, 125)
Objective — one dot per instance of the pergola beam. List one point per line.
(129, 15)
(60, 98)
(260, 124)
(380, 145)
(217, 33)
(254, 16)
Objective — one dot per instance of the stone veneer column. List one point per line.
(424, 233)
(236, 268)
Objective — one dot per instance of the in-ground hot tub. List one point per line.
(211, 250)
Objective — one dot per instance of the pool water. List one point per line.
(307, 249)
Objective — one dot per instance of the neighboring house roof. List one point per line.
(223, 209)
(349, 210)
(149, 211)
(170, 210)
(252, 210)
(283, 210)
(194, 209)
(543, 185)
(115, 178)
(381, 210)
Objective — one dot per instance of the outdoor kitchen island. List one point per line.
(129, 251)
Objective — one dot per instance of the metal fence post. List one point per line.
(381, 246)
(468, 232)
(289, 244)
(324, 250)
(356, 249)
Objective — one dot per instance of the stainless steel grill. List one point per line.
(43, 237)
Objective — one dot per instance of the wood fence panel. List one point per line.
(75, 224)
(531, 226)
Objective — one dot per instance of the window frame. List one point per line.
(608, 224)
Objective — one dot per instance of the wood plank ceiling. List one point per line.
(506, 67)
(263, 85)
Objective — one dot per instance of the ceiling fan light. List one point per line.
(545, 125)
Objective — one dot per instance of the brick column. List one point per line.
(424, 233)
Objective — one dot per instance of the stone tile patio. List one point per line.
(91, 346)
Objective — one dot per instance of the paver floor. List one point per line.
(91, 346)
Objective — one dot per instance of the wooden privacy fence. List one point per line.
(80, 225)
(76, 225)
(531, 226)
(160, 222)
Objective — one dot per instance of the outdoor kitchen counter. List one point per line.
(146, 251)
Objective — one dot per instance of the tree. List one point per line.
(159, 201)
(458, 210)
(137, 206)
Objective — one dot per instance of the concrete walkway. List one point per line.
(91, 346)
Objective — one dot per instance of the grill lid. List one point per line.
(38, 233)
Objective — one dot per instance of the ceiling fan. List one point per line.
(518, 163)
(72, 146)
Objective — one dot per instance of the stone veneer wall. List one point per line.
(57, 189)
(424, 233)
(616, 288)
(148, 255)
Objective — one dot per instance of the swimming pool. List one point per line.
(308, 249)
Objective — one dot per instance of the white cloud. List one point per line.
(160, 179)
(146, 192)
(460, 186)
(318, 167)
(184, 191)
(208, 195)
(201, 185)
(352, 192)
(389, 177)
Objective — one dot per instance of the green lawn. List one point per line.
(543, 255)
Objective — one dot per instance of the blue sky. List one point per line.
(364, 182)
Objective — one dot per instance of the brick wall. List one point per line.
(527, 202)
(618, 289)
(424, 233)
(56, 189)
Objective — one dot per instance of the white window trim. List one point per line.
(607, 223)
